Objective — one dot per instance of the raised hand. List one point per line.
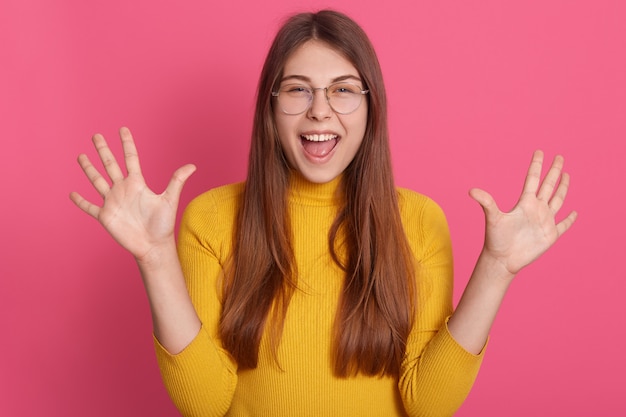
(517, 238)
(137, 218)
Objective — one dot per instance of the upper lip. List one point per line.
(312, 134)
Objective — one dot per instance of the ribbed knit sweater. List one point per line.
(203, 379)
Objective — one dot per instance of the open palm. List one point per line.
(520, 236)
(136, 217)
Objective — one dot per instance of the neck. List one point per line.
(303, 190)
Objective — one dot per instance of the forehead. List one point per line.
(318, 62)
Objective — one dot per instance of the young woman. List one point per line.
(316, 287)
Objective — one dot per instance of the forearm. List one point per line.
(471, 322)
(174, 318)
(512, 241)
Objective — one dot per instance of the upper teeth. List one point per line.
(319, 138)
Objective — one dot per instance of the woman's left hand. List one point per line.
(515, 239)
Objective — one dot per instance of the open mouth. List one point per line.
(319, 145)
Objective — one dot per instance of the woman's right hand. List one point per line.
(137, 218)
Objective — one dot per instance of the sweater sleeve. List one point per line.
(201, 379)
(437, 373)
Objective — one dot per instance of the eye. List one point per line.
(344, 89)
(296, 89)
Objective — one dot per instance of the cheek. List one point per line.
(283, 130)
(363, 116)
(360, 126)
(279, 124)
(283, 122)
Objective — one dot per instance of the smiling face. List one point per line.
(320, 143)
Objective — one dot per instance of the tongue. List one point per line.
(318, 148)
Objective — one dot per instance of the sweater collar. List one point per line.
(302, 191)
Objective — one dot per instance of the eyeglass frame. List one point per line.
(362, 92)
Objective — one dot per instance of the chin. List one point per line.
(319, 177)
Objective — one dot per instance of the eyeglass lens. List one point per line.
(343, 98)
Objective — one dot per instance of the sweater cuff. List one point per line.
(197, 351)
(202, 376)
(441, 381)
(451, 367)
(449, 336)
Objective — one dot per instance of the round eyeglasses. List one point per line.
(343, 98)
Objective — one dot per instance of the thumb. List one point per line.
(180, 176)
(485, 200)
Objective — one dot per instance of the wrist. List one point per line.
(494, 266)
(158, 256)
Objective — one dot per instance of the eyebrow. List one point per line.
(334, 80)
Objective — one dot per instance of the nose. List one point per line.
(320, 108)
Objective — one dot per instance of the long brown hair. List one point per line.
(376, 306)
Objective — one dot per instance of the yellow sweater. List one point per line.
(203, 380)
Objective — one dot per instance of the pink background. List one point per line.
(474, 88)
